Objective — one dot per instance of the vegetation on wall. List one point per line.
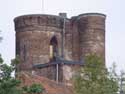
(33, 89)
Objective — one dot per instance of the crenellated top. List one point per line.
(36, 21)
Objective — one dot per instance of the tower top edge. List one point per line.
(92, 14)
(36, 15)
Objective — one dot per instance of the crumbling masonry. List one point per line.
(44, 40)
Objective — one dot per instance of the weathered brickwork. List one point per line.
(92, 34)
(75, 37)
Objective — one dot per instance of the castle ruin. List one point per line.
(55, 46)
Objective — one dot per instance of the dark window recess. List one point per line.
(17, 48)
(53, 48)
(24, 53)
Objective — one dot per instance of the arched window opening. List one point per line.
(53, 48)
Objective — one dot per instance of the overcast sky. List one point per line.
(115, 22)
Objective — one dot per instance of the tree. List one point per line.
(94, 78)
(8, 84)
(11, 85)
(122, 82)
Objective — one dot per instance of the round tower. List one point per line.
(37, 39)
(91, 27)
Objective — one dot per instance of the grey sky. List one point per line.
(115, 22)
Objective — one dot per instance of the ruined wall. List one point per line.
(83, 34)
(33, 35)
(91, 28)
(68, 40)
(72, 48)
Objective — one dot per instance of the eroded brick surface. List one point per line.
(83, 34)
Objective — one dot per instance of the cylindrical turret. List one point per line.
(92, 34)
(35, 35)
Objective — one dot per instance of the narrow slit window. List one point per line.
(24, 53)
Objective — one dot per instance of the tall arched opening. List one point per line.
(53, 48)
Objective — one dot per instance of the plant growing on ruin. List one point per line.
(33, 89)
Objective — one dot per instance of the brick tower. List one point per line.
(53, 46)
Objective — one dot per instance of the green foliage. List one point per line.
(93, 78)
(33, 89)
(122, 82)
(8, 84)
(6, 71)
(1, 60)
(15, 61)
